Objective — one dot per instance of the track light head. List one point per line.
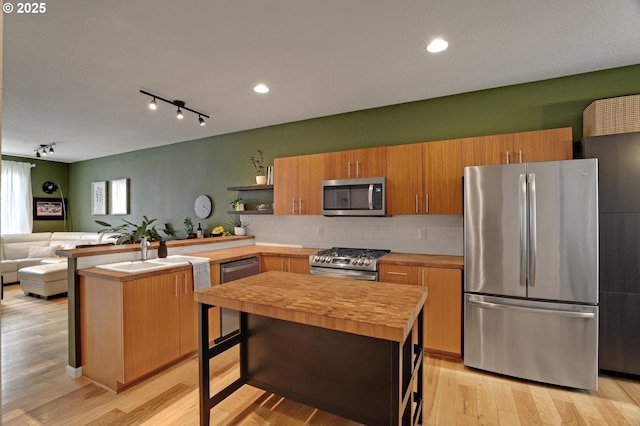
(179, 114)
(201, 121)
(37, 154)
(153, 105)
(51, 150)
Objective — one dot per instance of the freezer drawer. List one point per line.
(547, 342)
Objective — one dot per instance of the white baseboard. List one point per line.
(74, 372)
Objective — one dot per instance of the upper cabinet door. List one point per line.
(486, 150)
(405, 193)
(285, 185)
(310, 174)
(370, 162)
(443, 177)
(543, 145)
(358, 163)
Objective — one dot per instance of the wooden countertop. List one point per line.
(427, 260)
(379, 310)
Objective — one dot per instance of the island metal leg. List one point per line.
(205, 353)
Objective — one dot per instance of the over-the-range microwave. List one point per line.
(354, 197)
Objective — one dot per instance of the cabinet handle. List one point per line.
(357, 169)
(175, 285)
(426, 203)
(507, 157)
(348, 169)
(282, 264)
(293, 206)
(289, 266)
(416, 203)
(299, 205)
(520, 154)
(397, 273)
(422, 277)
(186, 289)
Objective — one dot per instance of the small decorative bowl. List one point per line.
(263, 206)
(217, 235)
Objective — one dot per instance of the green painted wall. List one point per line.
(43, 172)
(165, 181)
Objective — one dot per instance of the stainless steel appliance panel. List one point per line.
(563, 230)
(493, 230)
(231, 271)
(354, 197)
(548, 342)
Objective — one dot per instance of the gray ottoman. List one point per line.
(44, 280)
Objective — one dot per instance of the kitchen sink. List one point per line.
(135, 266)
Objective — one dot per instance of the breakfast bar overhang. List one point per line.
(347, 347)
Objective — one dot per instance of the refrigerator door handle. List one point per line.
(522, 199)
(532, 230)
(536, 310)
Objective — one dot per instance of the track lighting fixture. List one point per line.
(44, 149)
(180, 104)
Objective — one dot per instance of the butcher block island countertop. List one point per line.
(352, 348)
(379, 310)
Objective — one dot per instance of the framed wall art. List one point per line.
(49, 209)
(99, 197)
(119, 196)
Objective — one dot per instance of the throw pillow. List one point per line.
(43, 251)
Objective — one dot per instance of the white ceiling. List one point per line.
(72, 75)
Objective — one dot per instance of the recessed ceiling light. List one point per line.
(437, 45)
(261, 88)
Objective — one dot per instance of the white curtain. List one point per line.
(17, 213)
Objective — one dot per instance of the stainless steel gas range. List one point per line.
(354, 263)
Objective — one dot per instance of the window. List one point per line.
(17, 214)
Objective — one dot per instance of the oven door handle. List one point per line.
(370, 196)
(344, 273)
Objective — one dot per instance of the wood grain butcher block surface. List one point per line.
(425, 260)
(374, 309)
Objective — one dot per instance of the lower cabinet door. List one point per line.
(151, 326)
(443, 311)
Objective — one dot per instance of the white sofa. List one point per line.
(19, 251)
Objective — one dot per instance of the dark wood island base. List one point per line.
(371, 380)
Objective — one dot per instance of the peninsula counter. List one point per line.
(348, 347)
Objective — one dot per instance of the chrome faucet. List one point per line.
(143, 248)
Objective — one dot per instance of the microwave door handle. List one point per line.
(370, 196)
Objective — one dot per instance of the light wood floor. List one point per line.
(36, 391)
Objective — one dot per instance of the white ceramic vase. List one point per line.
(261, 180)
(240, 230)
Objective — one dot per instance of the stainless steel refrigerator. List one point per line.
(531, 271)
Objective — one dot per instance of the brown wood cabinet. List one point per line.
(297, 185)
(405, 194)
(357, 163)
(298, 265)
(523, 147)
(132, 328)
(443, 310)
(442, 173)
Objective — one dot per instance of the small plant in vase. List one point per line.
(188, 227)
(258, 163)
(238, 229)
(237, 205)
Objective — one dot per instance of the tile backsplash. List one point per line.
(407, 234)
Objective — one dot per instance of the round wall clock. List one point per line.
(49, 187)
(202, 206)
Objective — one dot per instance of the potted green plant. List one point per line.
(258, 164)
(188, 227)
(131, 233)
(237, 205)
(238, 229)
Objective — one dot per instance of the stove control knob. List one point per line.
(360, 261)
(354, 261)
(367, 262)
(316, 258)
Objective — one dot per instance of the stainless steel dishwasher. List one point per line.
(231, 271)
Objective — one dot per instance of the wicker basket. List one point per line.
(612, 116)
